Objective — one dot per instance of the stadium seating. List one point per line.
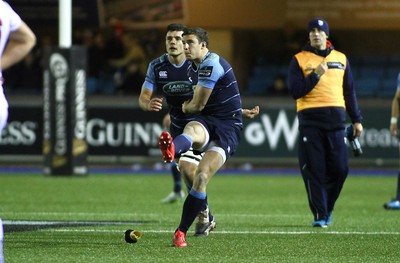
(262, 79)
(392, 71)
(388, 87)
(369, 71)
(258, 85)
(367, 86)
(374, 76)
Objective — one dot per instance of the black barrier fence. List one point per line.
(113, 131)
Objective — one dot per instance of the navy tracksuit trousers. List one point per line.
(323, 160)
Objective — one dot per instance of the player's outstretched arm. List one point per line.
(251, 113)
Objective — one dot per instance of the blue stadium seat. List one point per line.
(392, 71)
(388, 88)
(264, 71)
(367, 87)
(258, 86)
(371, 71)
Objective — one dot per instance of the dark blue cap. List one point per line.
(319, 23)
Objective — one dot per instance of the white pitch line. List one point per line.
(236, 232)
(142, 215)
(77, 214)
(81, 229)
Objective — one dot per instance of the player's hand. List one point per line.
(251, 113)
(155, 104)
(357, 129)
(393, 129)
(185, 106)
(321, 69)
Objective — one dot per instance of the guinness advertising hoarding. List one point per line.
(64, 112)
(123, 131)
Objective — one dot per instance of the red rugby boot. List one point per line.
(167, 147)
(179, 239)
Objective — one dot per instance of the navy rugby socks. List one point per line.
(176, 175)
(194, 203)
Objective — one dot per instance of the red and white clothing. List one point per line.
(9, 21)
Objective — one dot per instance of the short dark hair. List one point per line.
(200, 33)
(176, 27)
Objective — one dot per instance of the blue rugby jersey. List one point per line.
(174, 82)
(215, 73)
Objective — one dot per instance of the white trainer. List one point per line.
(204, 225)
(173, 196)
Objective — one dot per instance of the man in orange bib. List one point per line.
(321, 82)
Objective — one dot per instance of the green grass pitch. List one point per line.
(259, 219)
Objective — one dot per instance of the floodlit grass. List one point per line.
(259, 219)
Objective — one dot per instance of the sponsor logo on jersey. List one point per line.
(176, 88)
(337, 65)
(163, 74)
(205, 72)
